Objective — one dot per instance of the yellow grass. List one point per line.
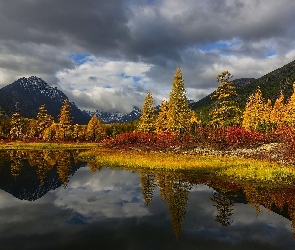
(229, 167)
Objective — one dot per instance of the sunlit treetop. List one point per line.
(224, 76)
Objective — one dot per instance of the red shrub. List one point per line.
(241, 137)
(286, 134)
(222, 138)
(230, 137)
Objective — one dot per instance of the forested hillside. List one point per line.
(270, 84)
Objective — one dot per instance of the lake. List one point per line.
(50, 200)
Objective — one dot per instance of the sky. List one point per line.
(107, 54)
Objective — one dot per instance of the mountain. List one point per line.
(113, 117)
(270, 84)
(26, 95)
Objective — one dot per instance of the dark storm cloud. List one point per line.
(92, 25)
(39, 37)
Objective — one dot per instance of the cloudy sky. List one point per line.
(107, 54)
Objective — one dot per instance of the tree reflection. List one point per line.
(225, 208)
(43, 161)
(63, 167)
(175, 190)
(177, 201)
(16, 162)
(94, 166)
(148, 183)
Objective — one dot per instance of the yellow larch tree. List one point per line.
(267, 112)
(162, 120)
(227, 111)
(278, 115)
(195, 122)
(255, 111)
(95, 130)
(290, 109)
(148, 116)
(64, 130)
(179, 113)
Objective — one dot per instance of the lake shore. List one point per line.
(237, 166)
(19, 145)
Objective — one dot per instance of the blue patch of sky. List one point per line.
(107, 87)
(270, 53)
(223, 47)
(214, 46)
(136, 78)
(79, 58)
(123, 75)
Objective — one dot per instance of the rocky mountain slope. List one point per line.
(26, 95)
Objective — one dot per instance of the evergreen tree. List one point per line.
(195, 123)
(148, 117)
(17, 126)
(32, 128)
(179, 113)
(265, 124)
(64, 130)
(162, 120)
(43, 121)
(254, 111)
(95, 130)
(3, 123)
(278, 115)
(50, 132)
(290, 109)
(226, 112)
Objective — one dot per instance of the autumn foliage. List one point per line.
(221, 138)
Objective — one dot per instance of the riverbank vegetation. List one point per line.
(231, 168)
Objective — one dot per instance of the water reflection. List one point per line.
(113, 207)
(174, 188)
(31, 174)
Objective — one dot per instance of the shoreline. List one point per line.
(19, 145)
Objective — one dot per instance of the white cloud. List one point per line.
(106, 194)
(106, 85)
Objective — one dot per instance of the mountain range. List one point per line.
(26, 95)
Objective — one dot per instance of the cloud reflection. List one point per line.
(106, 194)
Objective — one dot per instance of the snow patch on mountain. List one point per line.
(113, 117)
(34, 83)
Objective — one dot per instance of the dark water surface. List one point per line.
(49, 200)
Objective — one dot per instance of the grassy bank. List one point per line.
(44, 145)
(228, 167)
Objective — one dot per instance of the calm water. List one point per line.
(48, 200)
